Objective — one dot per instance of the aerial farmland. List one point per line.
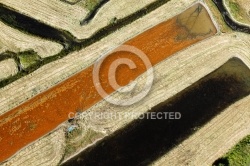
(106, 82)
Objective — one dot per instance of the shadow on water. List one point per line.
(229, 21)
(145, 140)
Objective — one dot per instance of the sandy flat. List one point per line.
(8, 68)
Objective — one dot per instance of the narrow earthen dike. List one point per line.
(45, 112)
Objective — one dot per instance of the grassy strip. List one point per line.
(239, 155)
(86, 42)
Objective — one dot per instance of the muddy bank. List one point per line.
(143, 141)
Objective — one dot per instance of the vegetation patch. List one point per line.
(234, 7)
(91, 4)
(28, 59)
(239, 155)
(235, 10)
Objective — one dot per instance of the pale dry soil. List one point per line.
(64, 16)
(15, 41)
(8, 68)
(171, 76)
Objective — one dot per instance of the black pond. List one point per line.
(230, 22)
(143, 141)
